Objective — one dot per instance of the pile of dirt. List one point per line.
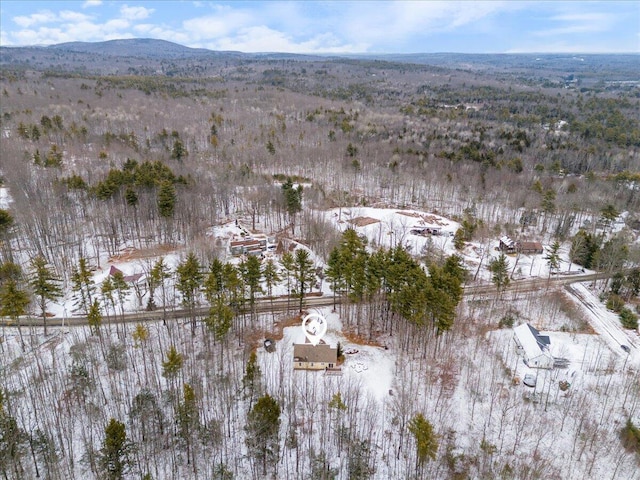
(129, 254)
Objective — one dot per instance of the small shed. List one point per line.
(314, 357)
(533, 347)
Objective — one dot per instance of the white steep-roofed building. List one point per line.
(533, 347)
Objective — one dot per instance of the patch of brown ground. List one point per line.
(363, 221)
(255, 337)
(129, 254)
(353, 337)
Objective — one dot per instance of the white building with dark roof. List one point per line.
(533, 347)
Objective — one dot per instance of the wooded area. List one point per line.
(102, 154)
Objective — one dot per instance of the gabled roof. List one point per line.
(531, 341)
(530, 245)
(507, 241)
(127, 278)
(306, 352)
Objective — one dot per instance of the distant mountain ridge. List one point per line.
(136, 47)
(148, 56)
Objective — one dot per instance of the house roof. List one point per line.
(530, 245)
(532, 342)
(245, 243)
(127, 278)
(507, 241)
(306, 352)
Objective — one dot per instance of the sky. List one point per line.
(334, 27)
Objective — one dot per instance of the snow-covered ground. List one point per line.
(5, 198)
(607, 324)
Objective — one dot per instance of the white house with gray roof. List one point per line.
(533, 347)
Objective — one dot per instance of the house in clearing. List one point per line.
(132, 279)
(309, 357)
(529, 247)
(533, 347)
(246, 247)
(508, 245)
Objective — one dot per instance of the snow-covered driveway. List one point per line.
(606, 323)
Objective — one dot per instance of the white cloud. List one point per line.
(330, 27)
(135, 13)
(150, 30)
(115, 25)
(44, 16)
(579, 23)
(399, 21)
(224, 22)
(71, 16)
(43, 36)
(264, 39)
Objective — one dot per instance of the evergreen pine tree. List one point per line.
(187, 418)
(107, 289)
(499, 267)
(83, 285)
(553, 258)
(304, 274)
(159, 273)
(335, 273)
(166, 199)
(13, 303)
(252, 275)
(189, 279)
(271, 276)
(121, 288)
(292, 199)
(45, 286)
(115, 455)
(12, 443)
(263, 428)
(173, 364)
(426, 439)
(94, 317)
(251, 381)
